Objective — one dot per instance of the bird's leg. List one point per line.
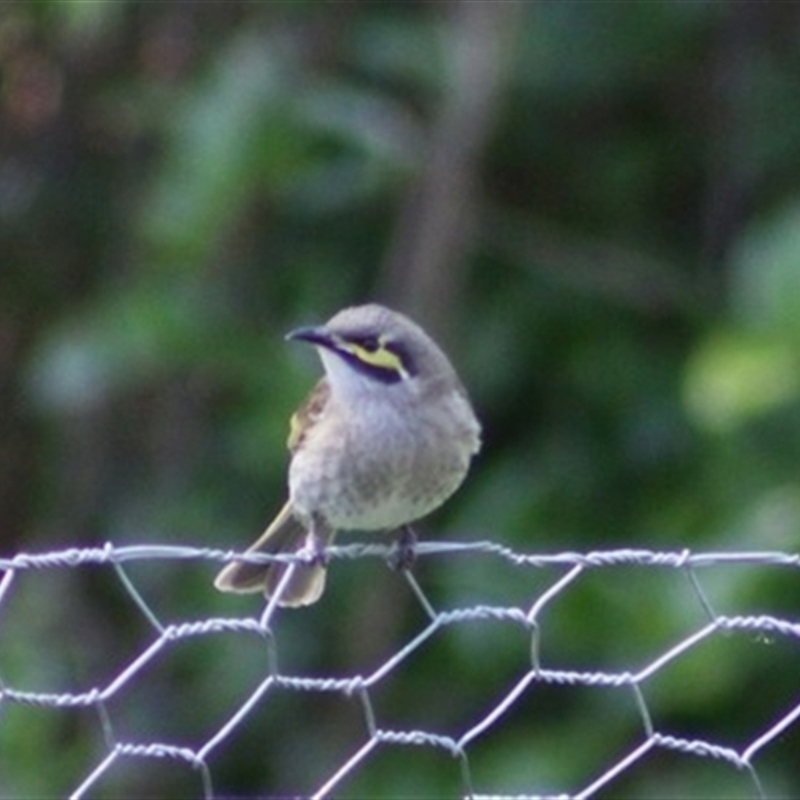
(315, 541)
(404, 554)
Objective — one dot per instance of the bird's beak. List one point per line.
(318, 336)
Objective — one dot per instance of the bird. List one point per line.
(385, 437)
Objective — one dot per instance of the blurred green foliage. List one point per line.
(594, 205)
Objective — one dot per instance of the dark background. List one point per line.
(594, 206)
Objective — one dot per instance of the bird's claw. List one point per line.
(403, 554)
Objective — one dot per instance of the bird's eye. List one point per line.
(377, 355)
(370, 344)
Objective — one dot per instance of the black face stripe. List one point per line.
(382, 374)
(371, 343)
(405, 357)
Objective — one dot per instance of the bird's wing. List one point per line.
(309, 413)
(286, 533)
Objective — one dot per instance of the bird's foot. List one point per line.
(315, 547)
(403, 554)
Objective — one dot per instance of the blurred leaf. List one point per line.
(766, 274)
(124, 342)
(733, 378)
(228, 135)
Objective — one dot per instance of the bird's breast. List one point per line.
(381, 467)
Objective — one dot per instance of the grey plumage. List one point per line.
(384, 438)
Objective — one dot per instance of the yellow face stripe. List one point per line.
(382, 357)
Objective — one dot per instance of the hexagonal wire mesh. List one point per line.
(569, 568)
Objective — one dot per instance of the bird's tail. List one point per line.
(285, 534)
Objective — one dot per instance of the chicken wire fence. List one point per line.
(563, 572)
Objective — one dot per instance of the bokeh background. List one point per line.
(594, 206)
